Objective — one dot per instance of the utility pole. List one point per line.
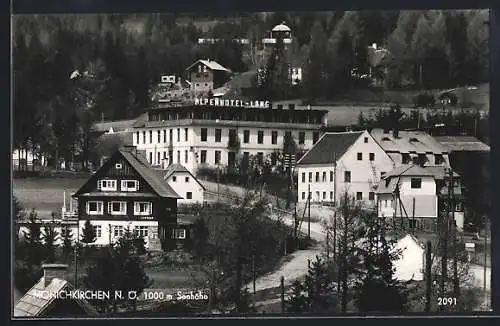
(428, 276)
(335, 236)
(456, 281)
(309, 213)
(485, 257)
(282, 287)
(327, 245)
(253, 281)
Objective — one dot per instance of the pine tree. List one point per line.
(377, 274)
(50, 238)
(67, 236)
(33, 240)
(88, 233)
(200, 240)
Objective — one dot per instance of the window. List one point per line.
(179, 157)
(94, 207)
(98, 231)
(315, 137)
(382, 174)
(186, 179)
(106, 185)
(141, 231)
(174, 179)
(347, 176)
(150, 157)
(118, 230)
(185, 134)
(170, 135)
(288, 135)
(189, 195)
(117, 208)
(246, 136)
(303, 195)
(310, 177)
(260, 137)
(137, 137)
(118, 166)
(317, 177)
(302, 138)
(203, 156)
(151, 136)
(317, 196)
(385, 203)
(331, 176)
(178, 134)
(366, 139)
(179, 234)
(218, 135)
(405, 159)
(260, 157)
(331, 195)
(246, 157)
(372, 156)
(416, 183)
(158, 158)
(165, 136)
(324, 195)
(159, 136)
(274, 137)
(371, 195)
(303, 177)
(324, 177)
(217, 157)
(360, 156)
(129, 185)
(143, 208)
(439, 159)
(359, 195)
(144, 137)
(203, 134)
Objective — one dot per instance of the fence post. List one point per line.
(282, 286)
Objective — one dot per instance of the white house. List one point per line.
(184, 183)
(410, 264)
(351, 161)
(410, 193)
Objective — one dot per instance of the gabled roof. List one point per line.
(32, 304)
(210, 64)
(178, 168)
(138, 161)
(462, 143)
(330, 147)
(407, 142)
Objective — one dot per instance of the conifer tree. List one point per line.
(67, 236)
(33, 240)
(50, 238)
(88, 233)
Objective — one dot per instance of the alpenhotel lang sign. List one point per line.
(232, 103)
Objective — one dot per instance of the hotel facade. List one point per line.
(219, 132)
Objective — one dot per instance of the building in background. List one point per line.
(339, 162)
(413, 195)
(127, 192)
(219, 132)
(207, 75)
(184, 183)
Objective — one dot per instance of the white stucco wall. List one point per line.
(182, 187)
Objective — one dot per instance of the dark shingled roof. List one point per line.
(330, 147)
(152, 176)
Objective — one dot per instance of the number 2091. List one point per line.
(447, 301)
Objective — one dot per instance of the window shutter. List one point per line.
(136, 185)
(99, 184)
(110, 207)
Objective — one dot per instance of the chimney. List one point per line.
(52, 271)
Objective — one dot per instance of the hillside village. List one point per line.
(221, 161)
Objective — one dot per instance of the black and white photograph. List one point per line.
(315, 163)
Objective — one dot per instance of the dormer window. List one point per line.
(106, 185)
(129, 185)
(406, 158)
(413, 140)
(439, 159)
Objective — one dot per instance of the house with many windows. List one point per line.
(127, 192)
(184, 183)
(216, 132)
(207, 75)
(414, 195)
(342, 161)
